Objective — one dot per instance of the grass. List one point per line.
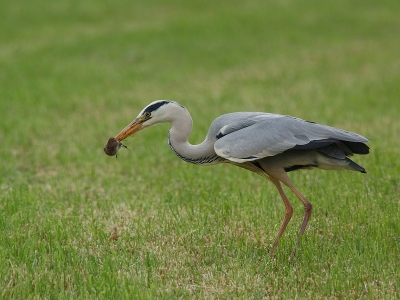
(77, 224)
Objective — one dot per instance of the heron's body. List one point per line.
(268, 144)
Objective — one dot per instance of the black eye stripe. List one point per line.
(154, 106)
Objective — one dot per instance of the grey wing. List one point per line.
(271, 134)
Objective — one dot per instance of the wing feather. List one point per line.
(269, 134)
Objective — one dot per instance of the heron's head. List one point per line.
(159, 111)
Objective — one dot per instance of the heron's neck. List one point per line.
(201, 154)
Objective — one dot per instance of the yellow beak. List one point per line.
(131, 129)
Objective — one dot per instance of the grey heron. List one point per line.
(270, 145)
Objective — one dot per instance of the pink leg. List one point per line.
(307, 215)
(288, 214)
(281, 176)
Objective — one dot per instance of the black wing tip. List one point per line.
(357, 147)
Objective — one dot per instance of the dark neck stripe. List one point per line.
(197, 161)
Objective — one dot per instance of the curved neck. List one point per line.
(178, 141)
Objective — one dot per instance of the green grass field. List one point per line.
(77, 224)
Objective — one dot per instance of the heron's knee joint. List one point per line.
(289, 210)
(308, 207)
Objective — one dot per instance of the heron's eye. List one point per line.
(147, 114)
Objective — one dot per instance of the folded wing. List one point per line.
(262, 135)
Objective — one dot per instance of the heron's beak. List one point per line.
(131, 129)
